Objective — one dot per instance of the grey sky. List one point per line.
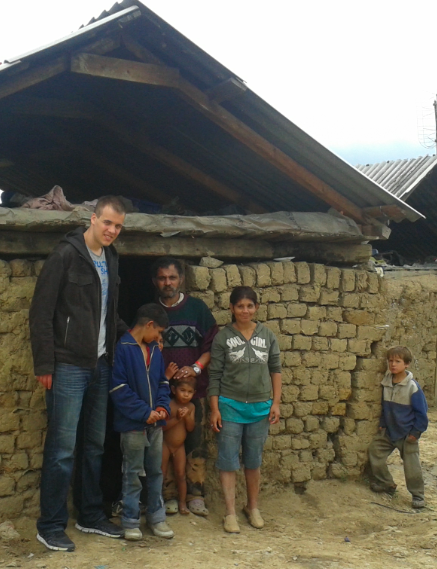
(351, 74)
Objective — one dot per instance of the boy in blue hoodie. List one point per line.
(141, 395)
(403, 420)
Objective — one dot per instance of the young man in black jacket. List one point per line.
(73, 330)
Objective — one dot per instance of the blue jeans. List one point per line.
(250, 437)
(76, 409)
(142, 450)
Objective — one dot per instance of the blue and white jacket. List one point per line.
(404, 408)
(137, 389)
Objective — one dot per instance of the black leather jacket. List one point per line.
(66, 307)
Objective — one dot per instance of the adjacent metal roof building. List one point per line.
(129, 105)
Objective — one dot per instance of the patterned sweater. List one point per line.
(190, 334)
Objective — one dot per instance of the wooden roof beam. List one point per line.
(227, 90)
(151, 74)
(386, 212)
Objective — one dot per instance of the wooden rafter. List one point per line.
(152, 74)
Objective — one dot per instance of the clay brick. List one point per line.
(274, 326)
(262, 275)
(330, 361)
(334, 313)
(17, 461)
(9, 422)
(318, 274)
(29, 440)
(5, 269)
(7, 486)
(348, 425)
(347, 330)
(296, 310)
(358, 317)
(7, 444)
(305, 456)
(286, 410)
(318, 440)
(289, 460)
(358, 411)
(342, 379)
(331, 424)
(377, 365)
(290, 393)
(222, 317)
(349, 458)
(270, 295)
(369, 301)
(261, 313)
(347, 361)
(36, 460)
(302, 273)
(311, 423)
(198, 278)
(301, 376)
(320, 344)
(309, 293)
(303, 408)
(284, 342)
(333, 275)
(350, 300)
(361, 281)
(294, 425)
(319, 376)
(281, 442)
(373, 283)
(290, 292)
(20, 268)
(276, 311)
(298, 443)
(292, 359)
(319, 472)
(368, 428)
(337, 345)
(309, 327)
(310, 359)
(347, 283)
(207, 296)
(290, 326)
(328, 296)
(308, 393)
(301, 473)
(277, 427)
(370, 333)
(276, 272)
(301, 342)
(218, 280)
(320, 408)
(316, 313)
(328, 329)
(20, 293)
(29, 480)
(248, 276)
(232, 276)
(11, 507)
(289, 272)
(359, 347)
(338, 409)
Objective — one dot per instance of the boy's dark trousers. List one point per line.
(379, 451)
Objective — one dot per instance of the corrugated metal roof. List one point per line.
(400, 177)
(205, 72)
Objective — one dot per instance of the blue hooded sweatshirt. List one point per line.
(137, 389)
(404, 408)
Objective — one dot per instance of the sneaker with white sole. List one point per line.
(162, 529)
(133, 534)
(58, 541)
(102, 527)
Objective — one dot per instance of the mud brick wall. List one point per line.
(332, 324)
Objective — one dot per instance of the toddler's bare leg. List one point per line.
(179, 463)
(165, 459)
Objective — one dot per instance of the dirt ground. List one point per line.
(305, 531)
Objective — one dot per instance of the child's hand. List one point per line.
(172, 368)
(216, 421)
(411, 439)
(153, 417)
(274, 414)
(182, 411)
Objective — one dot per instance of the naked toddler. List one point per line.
(180, 423)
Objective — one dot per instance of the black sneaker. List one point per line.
(58, 541)
(103, 527)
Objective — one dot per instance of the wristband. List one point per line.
(198, 364)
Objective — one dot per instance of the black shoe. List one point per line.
(103, 527)
(58, 541)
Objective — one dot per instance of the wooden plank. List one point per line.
(140, 52)
(227, 90)
(393, 212)
(102, 46)
(61, 108)
(141, 245)
(341, 253)
(380, 231)
(33, 76)
(124, 70)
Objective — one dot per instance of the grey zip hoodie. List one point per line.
(240, 369)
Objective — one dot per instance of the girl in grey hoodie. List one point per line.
(245, 369)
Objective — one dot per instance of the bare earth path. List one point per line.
(302, 531)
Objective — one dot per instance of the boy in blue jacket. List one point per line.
(403, 420)
(141, 395)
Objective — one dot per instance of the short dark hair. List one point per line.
(151, 313)
(402, 352)
(165, 263)
(111, 201)
(191, 381)
(241, 292)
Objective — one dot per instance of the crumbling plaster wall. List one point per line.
(332, 328)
